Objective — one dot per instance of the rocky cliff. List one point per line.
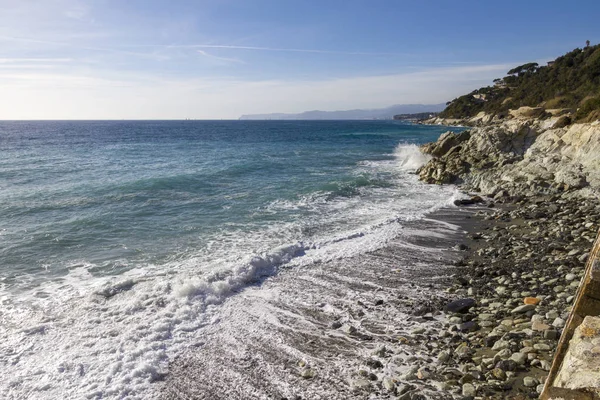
(526, 153)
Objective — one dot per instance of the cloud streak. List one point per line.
(226, 59)
(289, 50)
(74, 46)
(34, 60)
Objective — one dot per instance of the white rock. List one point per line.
(580, 368)
(468, 390)
(558, 323)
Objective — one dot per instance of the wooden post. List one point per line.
(587, 302)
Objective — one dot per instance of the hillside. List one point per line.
(572, 81)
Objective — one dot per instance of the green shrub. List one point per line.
(573, 77)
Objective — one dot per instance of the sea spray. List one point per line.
(410, 157)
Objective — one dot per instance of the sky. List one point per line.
(147, 59)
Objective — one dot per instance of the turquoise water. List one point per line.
(116, 194)
(182, 212)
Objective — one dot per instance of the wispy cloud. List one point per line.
(226, 59)
(410, 58)
(34, 60)
(80, 47)
(290, 50)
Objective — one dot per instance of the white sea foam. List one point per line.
(410, 156)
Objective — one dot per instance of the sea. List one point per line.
(129, 246)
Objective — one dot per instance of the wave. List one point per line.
(410, 156)
(218, 285)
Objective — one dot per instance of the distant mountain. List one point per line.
(378, 113)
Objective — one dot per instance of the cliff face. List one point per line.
(519, 156)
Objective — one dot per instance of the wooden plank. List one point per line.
(587, 302)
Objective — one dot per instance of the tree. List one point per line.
(521, 69)
(587, 43)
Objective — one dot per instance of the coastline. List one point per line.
(525, 260)
(374, 334)
(512, 260)
(521, 268)
(393, 333)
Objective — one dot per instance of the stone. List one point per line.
(308, 373)
(485, 317)
(506, 365)
(545, 365)
(539, 326)
(558, 289)
(374, 364)
(469, 326)
(411, 374)
(539, 388)
(349, 329)
(443, 357)
(542, 347)
(529, 381)
(500, 345)
(523, 309)
(551, 334)
(531, 300)
(460, 306)
(468, 390)
(499, 373)
(380, 351)
(360, 384)
(423, 373)
(389, 384)
(463, 351)
(526, 112)
(552, 314)
(501, 290)
(502, 355)
(403, 388)
(519, 358)
(558, 323)
(418, 331)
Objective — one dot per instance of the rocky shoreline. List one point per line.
(527, 245)
(493, 331)
(484, 326)
(521, 267)
(519, 157)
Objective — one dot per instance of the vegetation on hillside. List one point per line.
(571, 81)
(415, 116)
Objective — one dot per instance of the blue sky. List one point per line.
(62, 59)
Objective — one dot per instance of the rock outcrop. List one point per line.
(581, 364)
(519, 156)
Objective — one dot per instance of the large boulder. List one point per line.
(580, 368)
(527, 112)
(446, 142)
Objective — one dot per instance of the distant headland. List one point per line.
(377, 113)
